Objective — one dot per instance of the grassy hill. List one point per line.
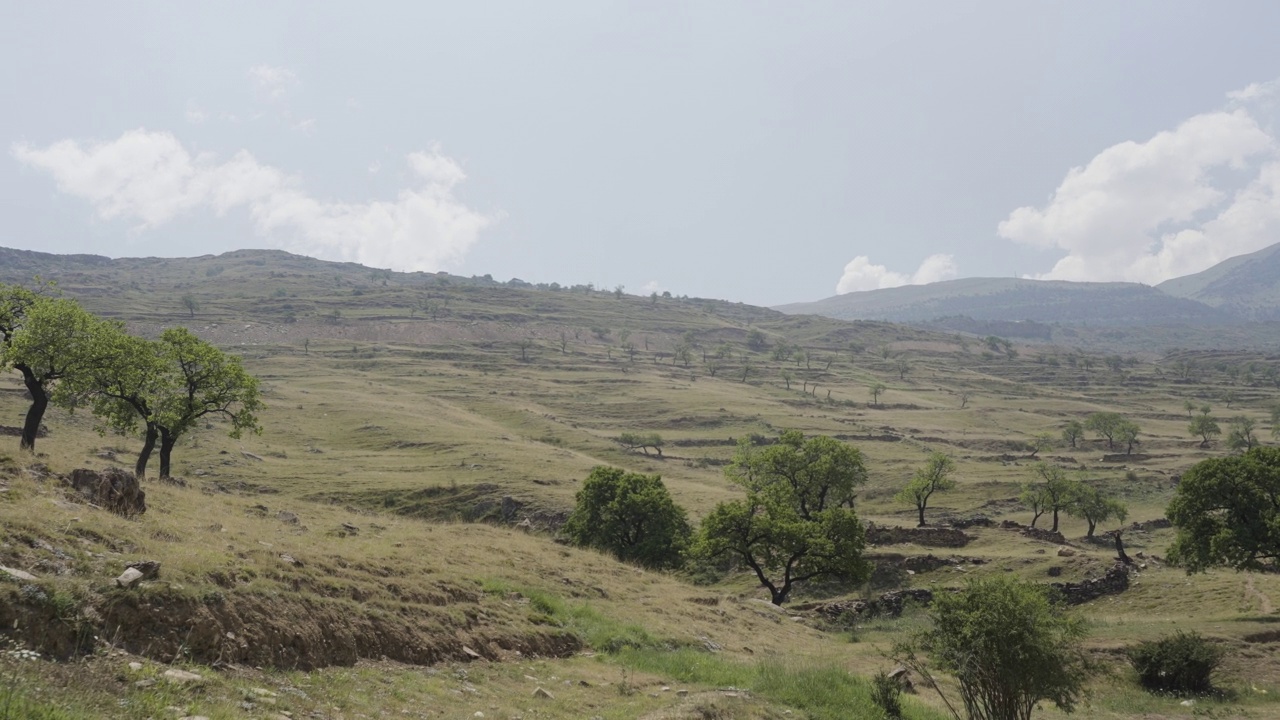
(1246, 286)
(362, 556)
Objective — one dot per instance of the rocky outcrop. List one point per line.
(114, 489)
(890, 604)
(926, 536)
(1050, 536)
(1115, 581)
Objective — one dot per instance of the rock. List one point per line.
(1065, 551)
(129, 578)
(472, 653)
(1055, 571)
(143, 684)
(115, 489)
(290, 560)
(251, 456)
(287, 517)
(350, 528)
(17, 574)
(135, 666)
(525, 525)
(193, 717)
(181, 677)
(542, 693)
(150, 569)
(1188, 703)
(682, 693)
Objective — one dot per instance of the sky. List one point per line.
(764, 152)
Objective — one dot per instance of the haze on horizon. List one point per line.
(755, 152)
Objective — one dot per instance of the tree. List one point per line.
(122, 389)
(1051, 489)
(1240, 436)
(201, 381)
(1127, 433)
(797, 521)
(683, 354)
(1007, 645)
(1106, 425)
(1227, 513)
(787, 377)
(641, 441)
(47, 340)
(1275, 421)
(933, 477)
(1039, 443)
(1072, 433)
(191, 304)
(1033, 496)
(876, 389)
(525, 345)
(756, 340)
(903, 366)
(630, 515)
(1091, 505)
(965, 396)
(1205, 426)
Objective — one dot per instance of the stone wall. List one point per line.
(927, 536)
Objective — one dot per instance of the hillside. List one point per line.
(367, 555)
(1246, 286)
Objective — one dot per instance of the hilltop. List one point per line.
(370, 551)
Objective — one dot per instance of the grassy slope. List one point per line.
(389, 418)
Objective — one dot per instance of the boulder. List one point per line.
(115, 489)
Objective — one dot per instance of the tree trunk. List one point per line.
(167, 441)
(1055, 520)
(1092, 526)
(148, 444)
(920, 508)
(35, 414)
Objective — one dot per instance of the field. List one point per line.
(363, 556)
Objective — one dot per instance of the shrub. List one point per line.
(886, 693)
(1181, 664)
(630, 515)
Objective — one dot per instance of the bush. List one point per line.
(1182, 664)
(886, 693)
(630, 515)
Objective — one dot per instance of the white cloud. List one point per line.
(150, 178)
(196, 115)
(273, 83)
(1176, 204)
(306, 127)
(861, 274)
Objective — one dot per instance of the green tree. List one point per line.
(1072, 433)
(1240, 436)
(1033, 496)
(1227, 513)
(1106, 425)
(903, 366)
(1008, 647)
(46, 340)
(876, 389)
(123, 387)
(191, 304)
(1205, 426)
(1039, 443)
(1052, 489)
(935, 476)
(1091, 505)
(641, 441)
(1127, 433)
(797, 521)
(201, 381)
(756, 340)
(630, 515)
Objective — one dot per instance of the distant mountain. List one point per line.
(1005, 300)
(1246, 286)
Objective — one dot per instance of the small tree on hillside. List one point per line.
(191, 304)
(1052, 489)
(1072, 433)
(1127, 433)
(641, 441)
(903, 366)
(630, 515)
(876, 389)
(756, 340)
(935, 476)
(1240, 436)
(1034, 498)
(1106, 425)
(202, 381)
(1227, 514)
(1205, 426)
(1039, 443)
(1092, 506)
(797, 521)
(1008, 647)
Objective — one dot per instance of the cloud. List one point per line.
(860, 274)
(196, 115)
(273, 83)
(1176, 204)
(150, 178)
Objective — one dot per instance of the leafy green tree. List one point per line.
(630, 515)
(201, 381)
(1051, 489)
(191, 304)
(1091, 505)
(756, 340)
(1106, 425)
(1227, 513)
(1034, 498)
(935, 476)
(903, 366)
(1008, 647)
(641, 441)
(1072, 433)
(123, 387)
(1127, 433)
(1039, 443)
(876, 389)
(46, 340)
(1240, 436)
(1205, 426)
(797, 521)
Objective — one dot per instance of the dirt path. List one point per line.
(1251, 593)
